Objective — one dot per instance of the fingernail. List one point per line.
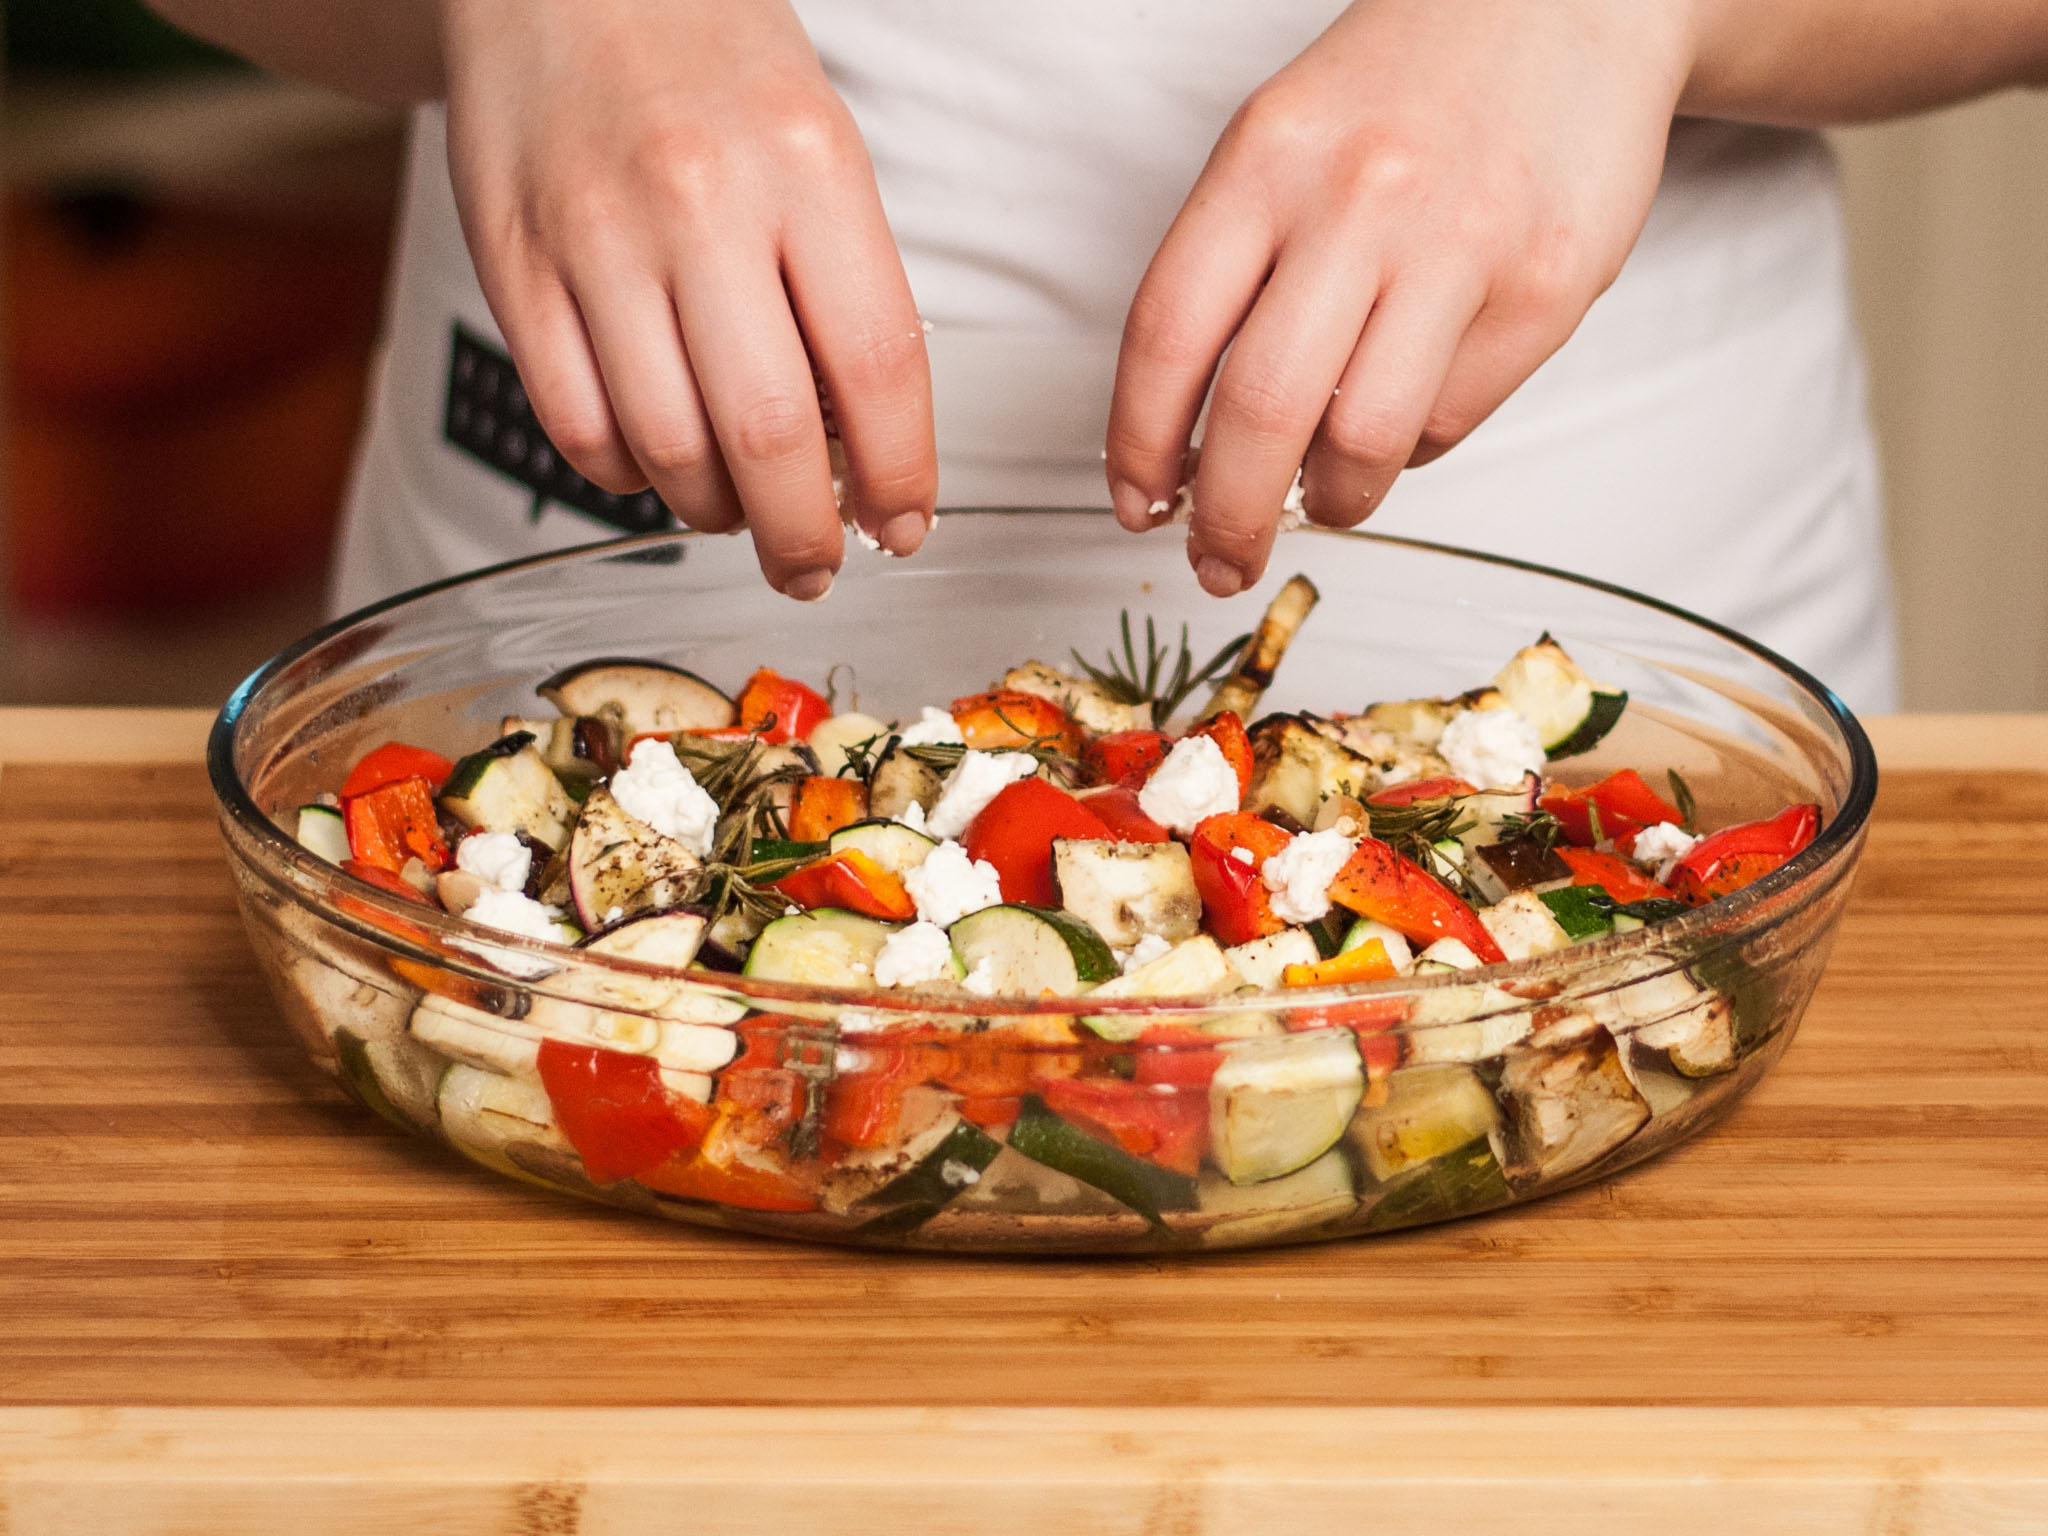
(1133, 506)
(809, 586)
(1219, 578)
(903, 533)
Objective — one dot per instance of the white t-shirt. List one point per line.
(1701, 438)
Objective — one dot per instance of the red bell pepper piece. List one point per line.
(1612, 873)
(743, 1182)
(1014, 832)
(393, 823)
(1378, 883)
(851, 880)
(821, 806)
(1421, 789)
(615, 1110)
(385, 880)
(864, 1103)
(1364, 962)
(1124, 757)
(778, 708)
(1740, 855)
(1227, 731)
(394, 761)
(1235, 903)
(1162, 1124)
(1117, 805)
(1623, 803)
(1006, 718)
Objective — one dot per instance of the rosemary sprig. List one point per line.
(1413, 830)
(730, 772)
(1537, 826)
(944, 756)
(1166, 678)
(1681, 796)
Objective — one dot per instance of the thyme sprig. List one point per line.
(1166, 678)
(1537, 826)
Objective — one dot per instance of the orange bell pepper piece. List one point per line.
(393, 823)
(822, 806)
(1365, 962)
(1005, 718)
(851, 880)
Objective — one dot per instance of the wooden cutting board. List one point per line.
(222, 1283)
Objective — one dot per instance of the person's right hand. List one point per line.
(674, 218)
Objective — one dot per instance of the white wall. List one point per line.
(1949, 240)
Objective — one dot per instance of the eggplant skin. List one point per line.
(638, 698)
(1567, 1101)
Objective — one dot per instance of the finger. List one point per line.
(847, 287)
(557, 366)
(1200, 286)
(758, 390)
(1384, 398)
(639, 348)
(1494, 359)
(1273, 389)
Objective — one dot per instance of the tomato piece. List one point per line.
(778, 708)
(1117, 805)
(1612, 873)
(851, 880)
(1421, 789)
(1227, 731)
(1379, 883)
(1006, 718)
(1365, 962)
(1014, 832)
(394, 761)
(615, 1110)
(393, 823)
(1741, 855)
(821, 806)
(1227, 852)
(1616, 808)
(1124, 757)
(1169, 1127)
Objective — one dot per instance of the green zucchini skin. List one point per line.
(1064, 1147)
(1034, 949)
(912, 1200)
(1460, 1183)
(1605, 714)
(463, 777)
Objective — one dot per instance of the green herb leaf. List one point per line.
(1681, 796)
(1165, 678)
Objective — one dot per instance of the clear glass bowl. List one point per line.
(1455, 1094)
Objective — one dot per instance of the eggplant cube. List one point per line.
(1125, 891)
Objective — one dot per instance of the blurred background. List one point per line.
(190, 272)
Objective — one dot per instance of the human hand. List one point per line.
(1390, 236)
(673, 218)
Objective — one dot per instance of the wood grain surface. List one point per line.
(192, 1216)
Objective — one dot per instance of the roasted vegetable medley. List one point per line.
(1075, 830)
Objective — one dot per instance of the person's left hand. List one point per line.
(1391, 235)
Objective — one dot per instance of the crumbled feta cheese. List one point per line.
(935, 728)
(516, 912)
(656, 788)
(1244, 856)
(957, 1175)
(1148, 948)
(1196, 781)
(1299, 875)
(1659, 848)
(948, 885)
(1293, 508)
(1492, 748)
(613, 913)
(980, 777)
(913, 956)
(912, 816)
(498, 859)
(981, 980)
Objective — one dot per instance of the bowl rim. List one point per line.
(472, 943)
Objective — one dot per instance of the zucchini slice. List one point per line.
(1233, 1216)
(951, 1168)
(1463, 1183)
(485, 1116)
(322, 833)
(619, 866)
(829, 947)
(1429, 1111)
(1029, 951)
(394, 1075)
(897, 848)
(508, 787)
(900, 781)
(1278, 1103)
(1125, 891)
(1569, 710)
(635, 697)
(1065, 1148)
